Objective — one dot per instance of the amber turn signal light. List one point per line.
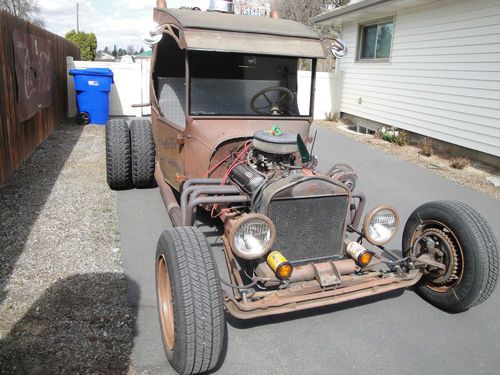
(279, 264)
(359, 253)
(365, 259)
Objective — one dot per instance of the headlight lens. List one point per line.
(253, 237)
(381, 225)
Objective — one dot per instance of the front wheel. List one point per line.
(457, 236)
(189, 301)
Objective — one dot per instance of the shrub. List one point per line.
(459, 162)
(330, 116)
(401, 138)
(426, 146)
(393, 135)
(378, 134)
(86, 41)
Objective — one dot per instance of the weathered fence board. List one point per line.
(20, 137)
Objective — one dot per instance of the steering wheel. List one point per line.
(274, 108)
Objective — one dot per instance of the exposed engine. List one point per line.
(267, 158)
(273, 156)
(272, 153)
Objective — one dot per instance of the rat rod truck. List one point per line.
(227, 141)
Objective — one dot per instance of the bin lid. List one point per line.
(105, 72)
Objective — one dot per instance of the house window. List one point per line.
(376, 40)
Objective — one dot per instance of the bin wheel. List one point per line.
(118, 155)
(83, 118)
(143, 153)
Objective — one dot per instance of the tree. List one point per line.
(302, 11)
(106, 50)
(142, 50)
(86, 41)
(25, 9)
(115, 52)
(131, 50)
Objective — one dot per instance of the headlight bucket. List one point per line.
(251, 236)
(381, 225)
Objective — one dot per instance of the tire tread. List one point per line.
(201, 300)
(118, 155)
(142, 153)
(481, 250)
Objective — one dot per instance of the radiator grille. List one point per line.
(309, 228)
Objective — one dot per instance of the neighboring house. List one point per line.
(144, 55)
(430, 67)
(103, 56)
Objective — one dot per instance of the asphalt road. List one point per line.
(395, 334)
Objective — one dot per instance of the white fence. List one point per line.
(132, 87)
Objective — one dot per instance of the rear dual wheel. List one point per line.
(464, 243)
(189, 299)
(130, 154)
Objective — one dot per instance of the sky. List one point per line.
(120, 22)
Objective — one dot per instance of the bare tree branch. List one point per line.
(302, 11)
(25, 9)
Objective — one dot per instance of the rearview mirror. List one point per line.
(153, 36)
(338, 48)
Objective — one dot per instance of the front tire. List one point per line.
(189, 299)
(466, 245)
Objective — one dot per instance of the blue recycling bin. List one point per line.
(92, 86)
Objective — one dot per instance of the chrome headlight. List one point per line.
(252, 236)
(381, 225)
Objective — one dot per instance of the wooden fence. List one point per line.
(18, 139)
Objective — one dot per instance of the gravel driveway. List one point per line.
(63, 305)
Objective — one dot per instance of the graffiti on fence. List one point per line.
(34, 72)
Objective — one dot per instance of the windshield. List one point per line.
(235, 84)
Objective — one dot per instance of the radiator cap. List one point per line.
(283, 144)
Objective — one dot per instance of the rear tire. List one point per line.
(143, 153)
(118, 155)
(190, 303)
(469, 248)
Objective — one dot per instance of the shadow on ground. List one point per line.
(25, 193)
(82, 324)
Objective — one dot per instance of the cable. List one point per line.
(211, 170)
(253, 283)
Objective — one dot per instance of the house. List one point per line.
(144, 55)
(103, 56)
(429, 67)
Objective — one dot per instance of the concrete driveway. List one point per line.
(395, 334)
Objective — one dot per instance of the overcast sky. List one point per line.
(119, 22)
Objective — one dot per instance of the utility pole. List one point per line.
(77, 20)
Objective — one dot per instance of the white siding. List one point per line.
(443, 78)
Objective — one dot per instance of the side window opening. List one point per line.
(169, 77)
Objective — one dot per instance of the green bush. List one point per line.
(86, 41)
(393, 135)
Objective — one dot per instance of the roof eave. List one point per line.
(329, 17)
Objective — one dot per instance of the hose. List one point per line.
(248, 286)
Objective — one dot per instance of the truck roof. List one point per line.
(239, 23)
(213, 31)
